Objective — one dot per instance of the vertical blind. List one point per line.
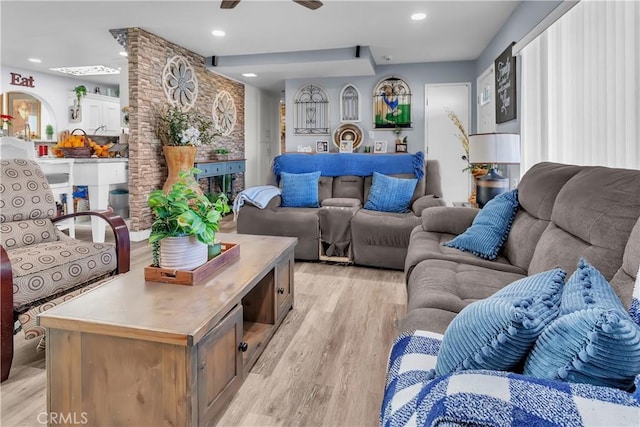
(581, 88)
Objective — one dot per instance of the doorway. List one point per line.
(441, 142)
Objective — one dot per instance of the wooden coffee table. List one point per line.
(140, 353)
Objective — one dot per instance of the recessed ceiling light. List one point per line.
(249, 75)
(123, 53)
(36, 60)
(89, 70)
(418, 16)
(218, 33)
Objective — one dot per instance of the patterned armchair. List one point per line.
(41, 266)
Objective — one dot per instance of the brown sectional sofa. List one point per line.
(377, 239)
(566, 212)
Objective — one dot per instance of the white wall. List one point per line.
(416, 75)
(260, 132)
(52, 91)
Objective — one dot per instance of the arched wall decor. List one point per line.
(180, 83)
(311, 111)
(224, 112)
(392, 104)
(349, 104)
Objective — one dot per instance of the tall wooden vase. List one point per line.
(179, 158)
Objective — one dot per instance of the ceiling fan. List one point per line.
(311, 4)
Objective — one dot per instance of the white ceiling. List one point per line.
(75, 33)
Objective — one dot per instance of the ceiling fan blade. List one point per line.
(229, 4)
(311, 4)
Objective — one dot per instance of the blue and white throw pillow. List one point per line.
(594, 342)
(389, 194)
(300, 190)
(490, 228)
(634, 310)
(497, 332)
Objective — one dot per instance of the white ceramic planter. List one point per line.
(182, 253)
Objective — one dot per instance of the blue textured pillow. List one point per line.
(587, 288)
(389, 194)
(300, 190)
(490, 228)
(497, 332)
(594, 340)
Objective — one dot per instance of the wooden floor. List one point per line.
(325, 366)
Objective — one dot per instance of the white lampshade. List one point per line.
(494, 148)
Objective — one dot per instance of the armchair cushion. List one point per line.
(18, 234)
(47, 269)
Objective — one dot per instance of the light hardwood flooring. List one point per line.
(325, 366)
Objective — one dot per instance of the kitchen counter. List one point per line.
(97, 173)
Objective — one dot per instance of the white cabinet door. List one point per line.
(111, 117)
(92, 115)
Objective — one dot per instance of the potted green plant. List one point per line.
(80, 91)
(49, 131)
(222, 153)
(185, 223)
(181, 133)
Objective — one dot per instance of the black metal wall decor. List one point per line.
(311, 111)
(392, 104)
(505, 72)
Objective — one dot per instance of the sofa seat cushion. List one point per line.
(383, 228)
(426, 245)
(47, 269)
(490, 398)
(381, 239)
(452, 286)
(426, 319)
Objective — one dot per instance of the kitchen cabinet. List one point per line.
(98, 111)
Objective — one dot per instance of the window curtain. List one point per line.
(581, 88)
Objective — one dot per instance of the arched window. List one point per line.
(392, 104)
(311, 111)
(349, 104)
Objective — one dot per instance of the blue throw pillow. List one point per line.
(497, 332)
(300, 190)
(587, 288)
(490, 228)
(594, 340)
(389, 194)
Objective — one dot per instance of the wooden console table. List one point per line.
(221, 168)
(140, 353)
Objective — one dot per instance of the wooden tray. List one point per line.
(230, 253)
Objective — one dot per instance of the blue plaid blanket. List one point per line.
(349, 164)
(491, 398)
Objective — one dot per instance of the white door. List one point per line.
(486, 119)
(441, 141)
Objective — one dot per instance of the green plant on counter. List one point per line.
(184, 212)
(80, 92)
(49, 130)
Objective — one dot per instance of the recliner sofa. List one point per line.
(375, 238)
(566, 213)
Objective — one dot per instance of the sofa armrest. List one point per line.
(425, 202)
(274, 203)
(120, 234)
(447, 219)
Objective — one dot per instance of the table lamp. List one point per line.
(493, 149)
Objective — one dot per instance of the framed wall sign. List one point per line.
(505, 66)
(380, 147)
(25, 110)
